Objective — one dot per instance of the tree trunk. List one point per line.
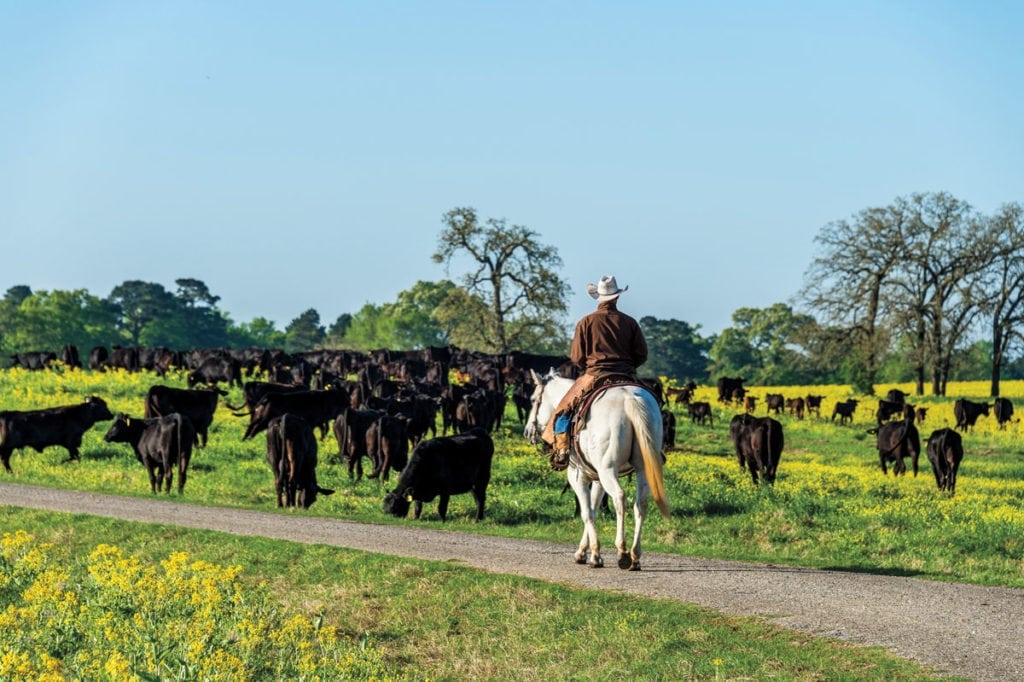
(997, 359)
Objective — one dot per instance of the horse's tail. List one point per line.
(642, 420)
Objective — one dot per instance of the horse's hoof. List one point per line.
(625, 561)
(635, 566)
(596, 563)
(581, 559)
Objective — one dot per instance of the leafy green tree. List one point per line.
(675, 350)
(304, 332)
(1004, 285)
(337, 331)
(370, 329)
(514, 274)
(140, 304)
(258, 332)
(46, 320)
(204, 326)
(765, 346)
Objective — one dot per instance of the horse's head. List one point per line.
(542, 405)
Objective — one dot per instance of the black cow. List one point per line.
(159, 443)
(319, 408)
(1003, 411)
(750, 403)
(387, 446)
(727, 387)
(845, 410)
(216, 369)
(945, 450)
(38, 429)
(888, 409)
(291, 454)
(253, 392)
(98, 357)
(967, 413)
(896, 440)
(668, 427)
(350, 429)
(895, 395)
(41, 359)
(198, 405)
(814, 404)
(700, 412)
(445, 466)
(69, 356)
(758, 442)
(774, 402)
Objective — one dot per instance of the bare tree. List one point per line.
(512, 272)
(846, 282)
(1005, 283)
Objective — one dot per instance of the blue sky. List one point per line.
(297, 155)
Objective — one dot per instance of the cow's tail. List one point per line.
(642, 419)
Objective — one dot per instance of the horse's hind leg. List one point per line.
(588, 542)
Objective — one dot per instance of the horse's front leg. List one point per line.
(588, 542)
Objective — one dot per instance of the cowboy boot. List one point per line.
(560, 456)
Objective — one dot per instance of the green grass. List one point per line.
(831, 506)
(435, 620)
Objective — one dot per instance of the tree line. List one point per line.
(924, 287)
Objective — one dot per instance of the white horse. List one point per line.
(622, 434)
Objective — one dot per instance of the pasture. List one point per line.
(830, 507)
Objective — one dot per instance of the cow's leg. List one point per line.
(169, 477)
(881, 460)
(73, 452)
(442, 506)
(417, 509)
(5, 457)
(480, 495)
(182, 469)
(152, 477)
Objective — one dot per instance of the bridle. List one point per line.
(538, 397)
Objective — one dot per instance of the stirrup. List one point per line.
(559, 460)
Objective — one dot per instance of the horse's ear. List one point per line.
(536, 377)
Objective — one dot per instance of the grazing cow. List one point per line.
(814, 404)
(795, 407)
(387, 446)
(896, 440)
(845, 410)
(159, 443)
(445, 466)
(291, 454)
(215, 369)
(1003, 411)
(700, 412)
(919, 414)
(682, 395)
(774, 402)
(945, 450)
(69, 356)
(759, 442)
(198, 405)
(98, 357)
(888, 409)
(750, 403)
(319, 408)
(727, 387)
(967, 413)
(38, 429)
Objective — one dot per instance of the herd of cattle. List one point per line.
(379, 405)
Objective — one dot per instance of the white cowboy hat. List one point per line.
(606, 290)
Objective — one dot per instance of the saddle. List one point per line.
(579, 415)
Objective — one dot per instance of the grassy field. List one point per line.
(831, 507)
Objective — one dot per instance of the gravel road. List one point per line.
(965, 630)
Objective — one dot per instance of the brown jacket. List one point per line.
(608, 342)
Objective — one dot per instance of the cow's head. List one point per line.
(396, 505)
(100, 411)
(307, 496)
(119, 431)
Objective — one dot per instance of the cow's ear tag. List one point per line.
(127, 421)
